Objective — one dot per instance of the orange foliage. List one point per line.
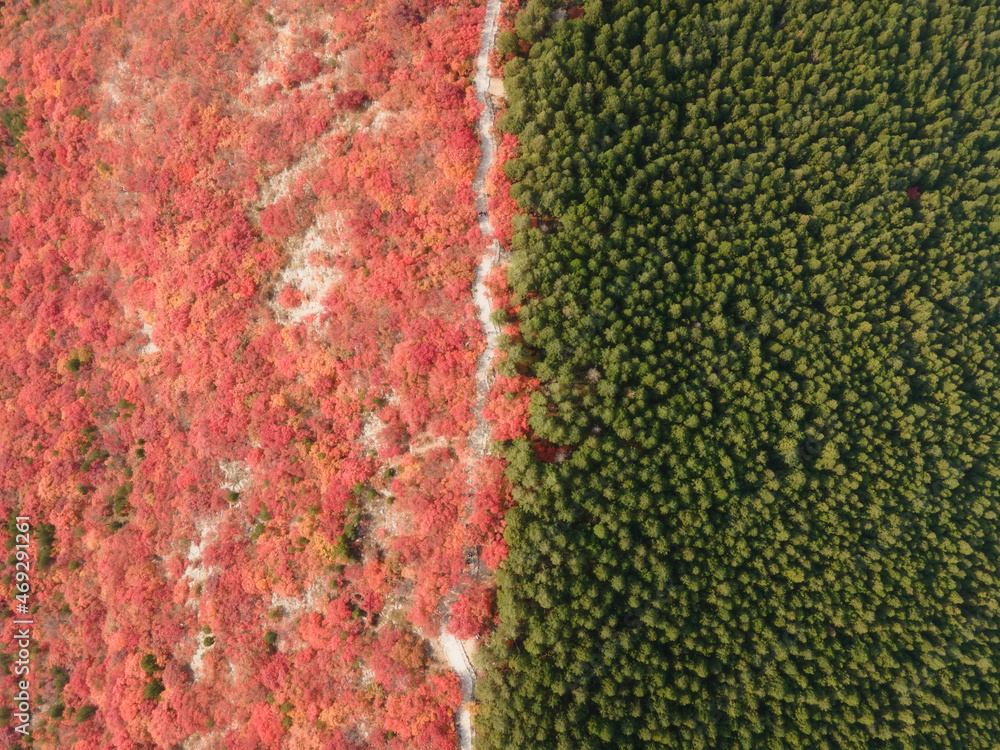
(218, 474)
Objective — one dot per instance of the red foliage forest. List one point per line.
(236, 368)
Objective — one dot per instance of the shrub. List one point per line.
(153, 689)
(507, 43)
(349, 99)
(45, 535)
(60, 678)
(148, 664)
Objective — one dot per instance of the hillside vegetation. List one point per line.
(758, 282)
(237, 372)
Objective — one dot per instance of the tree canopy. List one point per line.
(758, 283)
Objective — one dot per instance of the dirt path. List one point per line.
(454, 650)
(458, 659)
(479, 439)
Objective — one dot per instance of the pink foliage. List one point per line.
(473, 613)
(140, 352)
(284, 219)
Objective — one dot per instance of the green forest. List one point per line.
(757, 272)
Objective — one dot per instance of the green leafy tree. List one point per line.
(756, 267)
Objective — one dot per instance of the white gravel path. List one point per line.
(458, 659)
(480, 436)
(454, 650)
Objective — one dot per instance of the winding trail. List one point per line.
(454, 649)
(479, 438)
(458, 660)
